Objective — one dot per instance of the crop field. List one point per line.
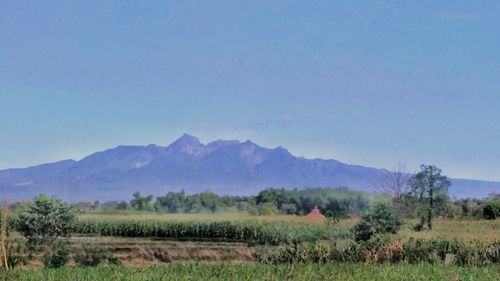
(451, 229)
(271, 231)
(153, 246)
(252, 271)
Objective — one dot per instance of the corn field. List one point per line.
(274, 233)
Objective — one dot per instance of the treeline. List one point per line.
(337, 202)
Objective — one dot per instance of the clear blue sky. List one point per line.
(365, 82)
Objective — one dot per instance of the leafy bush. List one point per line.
(347, 250)
(280, 254)
(380, 218)
(93, 256)
(58, 258)
(491, 210)
(267, 209)
(45, 220)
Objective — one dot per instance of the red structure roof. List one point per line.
(315, 213)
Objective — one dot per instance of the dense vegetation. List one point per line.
(385, 249)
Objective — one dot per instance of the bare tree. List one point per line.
(395, 182)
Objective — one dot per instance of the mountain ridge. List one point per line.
(221, 166)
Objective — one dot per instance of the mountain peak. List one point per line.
(188, 144)
(187, 138)
(249, 143)
(281, 149)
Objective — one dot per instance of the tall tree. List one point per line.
(141, 203)
(43, 224)
(429, 186)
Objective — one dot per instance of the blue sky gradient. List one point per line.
(365, 82)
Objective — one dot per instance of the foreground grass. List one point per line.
(251, 271)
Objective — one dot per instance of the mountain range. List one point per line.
(222, 166)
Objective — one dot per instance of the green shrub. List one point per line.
(94, 256)
(380, 218)
(420, 250)
(57, 258)
(491, 210)
(322, 251)
(267, 209)
(47, 219)
(273, 254)
(347, 250)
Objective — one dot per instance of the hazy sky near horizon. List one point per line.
(365, 82)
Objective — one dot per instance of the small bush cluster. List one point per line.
(320, 251)
(94, 256)
(491, 210)
(57, 258)
(379, 219)
(382, 249)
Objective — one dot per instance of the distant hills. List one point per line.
(222, 166)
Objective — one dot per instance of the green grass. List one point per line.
(251, 271)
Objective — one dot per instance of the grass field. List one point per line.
(252, 271)
(486, 230)
(214, 247)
